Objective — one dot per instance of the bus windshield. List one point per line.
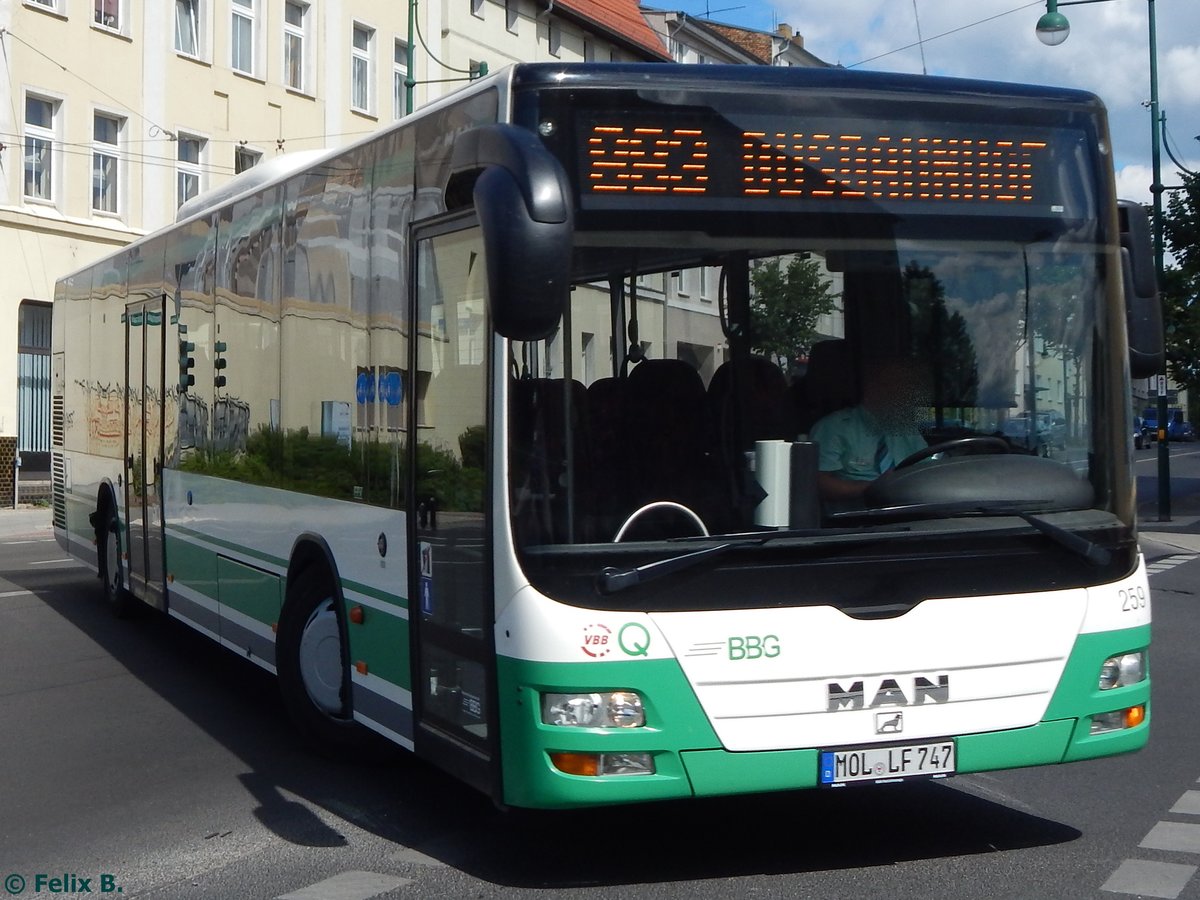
(727, 353)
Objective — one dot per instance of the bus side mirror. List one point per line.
(523, 201)
(1143, 310)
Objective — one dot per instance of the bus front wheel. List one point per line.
(310, 659)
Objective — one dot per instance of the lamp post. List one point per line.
(1052, 29)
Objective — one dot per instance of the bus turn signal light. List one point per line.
(593, 764)
(577, 763)
(1135, 715)
(357, 615)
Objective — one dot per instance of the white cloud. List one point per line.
(1181, 74)
(1133, 183)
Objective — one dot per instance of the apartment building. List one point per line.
(120, 111)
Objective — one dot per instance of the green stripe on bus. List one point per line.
(191, 566)
(236, 549)
(381, 641)
(248, 553)
(252, 592)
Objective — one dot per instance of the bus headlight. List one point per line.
(1123, 670)
(612, 709)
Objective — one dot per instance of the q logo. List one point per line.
(634, 639)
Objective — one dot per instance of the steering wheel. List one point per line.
(991, 443)
(660, 504)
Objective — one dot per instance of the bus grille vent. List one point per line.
(58, 408)
(58, 484)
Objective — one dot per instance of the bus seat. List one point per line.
(666, 424)
(829, 384)
(539, 455)
(750, 397)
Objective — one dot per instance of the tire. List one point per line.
(314, 676)
(112, 571)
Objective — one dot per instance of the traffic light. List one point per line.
(219, 363)
(186, 361)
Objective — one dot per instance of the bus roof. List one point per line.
(658, 76)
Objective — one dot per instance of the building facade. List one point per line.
(119, 112)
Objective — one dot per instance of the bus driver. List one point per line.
(860, 443)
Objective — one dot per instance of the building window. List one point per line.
(510, 15)
(477, 8)
(187, 27)
(554, 39)
(106, 184)
(48, 4)
(241, 37)
(245, 158)
(108, 13)
(361, 51)
(295, 29)
(33, 379)
(589, 51)
(399, 76)
(187, 168)
(40, 121)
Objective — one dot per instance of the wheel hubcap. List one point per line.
(112, 564)
(321, 659)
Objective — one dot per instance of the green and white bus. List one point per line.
(469, 432)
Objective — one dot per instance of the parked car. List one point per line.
(1054, 427)
(1140, 438)
(1021, 433)
(1178, 430)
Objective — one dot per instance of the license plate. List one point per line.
(888, 763)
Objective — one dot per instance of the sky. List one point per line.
(1106, 53)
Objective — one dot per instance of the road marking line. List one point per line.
(15, 594)
(1180, 836)
(1149, 879)
(348, 886)
(1188, 804)
(1169, 562)
(52, 562)
(38, 541)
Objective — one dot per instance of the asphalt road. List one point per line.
(144, 758)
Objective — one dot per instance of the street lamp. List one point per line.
(1052, 29)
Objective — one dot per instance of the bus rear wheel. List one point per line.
(112, 575)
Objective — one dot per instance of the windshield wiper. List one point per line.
(611, 579)
(1070, 540)
(1076, 543)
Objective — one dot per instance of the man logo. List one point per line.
(870, 694)
(889, 723)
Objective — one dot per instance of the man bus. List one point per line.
(464, 433)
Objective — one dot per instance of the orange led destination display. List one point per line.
(949, 167)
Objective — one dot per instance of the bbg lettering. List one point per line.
(752, 646)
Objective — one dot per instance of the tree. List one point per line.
(785, 305)
(942, 338)
(1181, 285)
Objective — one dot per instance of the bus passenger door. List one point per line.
(144, 330)
(450, 583)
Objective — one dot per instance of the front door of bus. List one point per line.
(450, 553)
(144, 368)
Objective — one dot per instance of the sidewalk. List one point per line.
(25, 521)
